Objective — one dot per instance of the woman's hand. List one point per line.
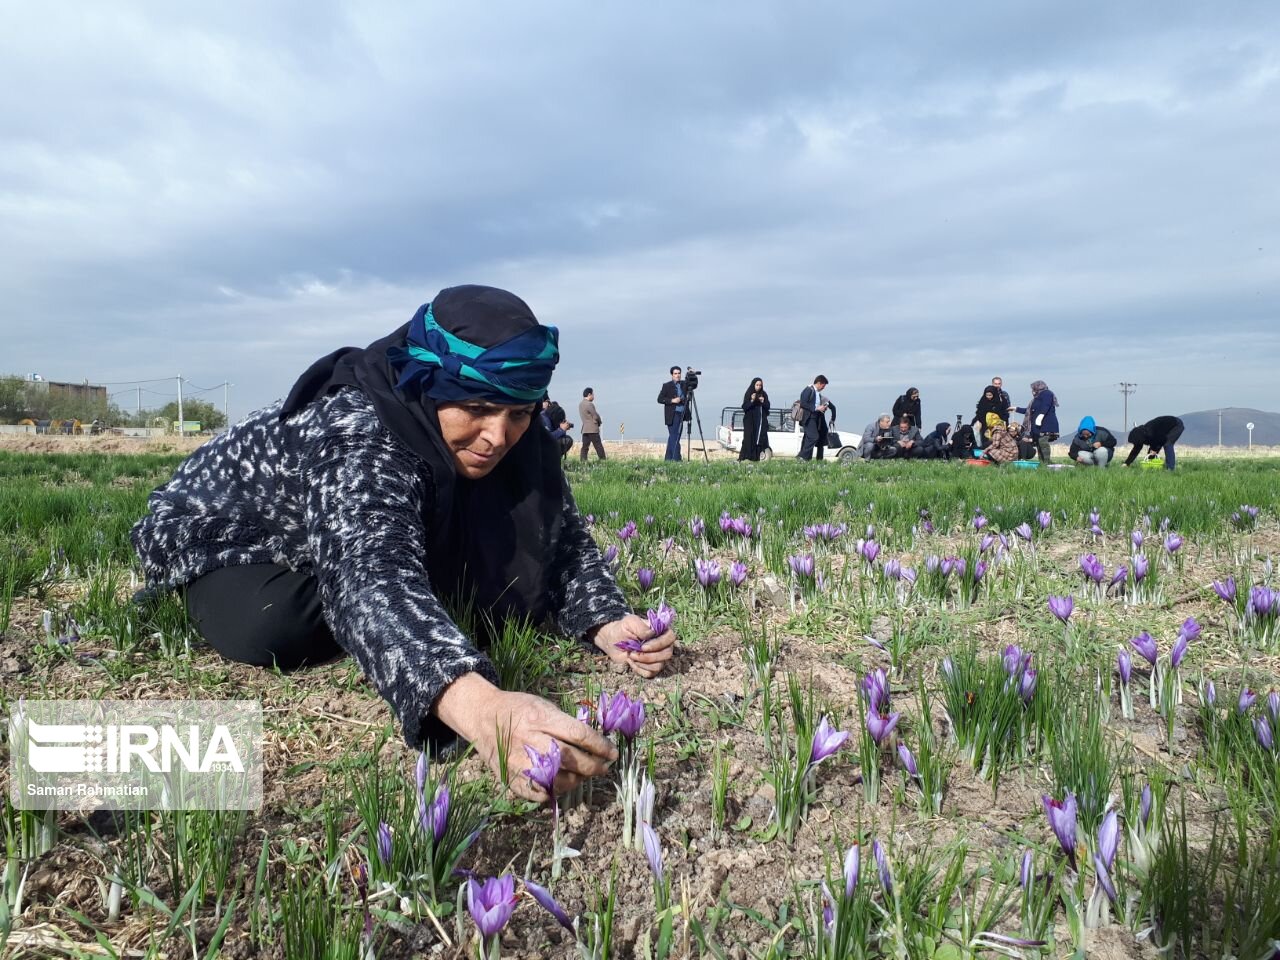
(497, 723)
(653, 654)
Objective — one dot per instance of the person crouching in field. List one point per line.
(1092, 445)
(392, 477)
(1002, 443)
(1158, 434)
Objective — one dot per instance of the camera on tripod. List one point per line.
(691, 378)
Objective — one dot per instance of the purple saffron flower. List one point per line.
(1146, 647)
(1172, 543)
(1108, 839)
(1028, 870)
(979, 571)
(826, 741)
(948, 564)
(738, 573)
(543, 896)
(668, 545)
(648, 519)
(1015, 659)
(1062, 607)
(726, 522)
(1190, 629)
(893, 568)
(1092, 568)
(697, 527)
(1124, 665)
(630, 645)
(492, 903)
(882, 865)
(869, 550)
(1179, 651)
(1144, 806)
(1023, 530)
(435, 818)
(908, 761)
(1027, 686)
(1136, 539)
(927, 526)
(1210, 694)
(544, 766)
(1044, 518)
(986, 543)
(1120, 576)
(876, 686)
(611, 553)
(1095, 517)
(852, 869)
(1273, 706)
(1247, 698)
(1262, 727)
(707, 572)
(880, 725)
(932, 564)
(1104, 878)
(619, 712)
(1140, 567)
(909, 574)
(1263, 601)
(628, 531)
(384, 844)
(645, 578)
(420, 772)
(1062, 818)
(828, 910)
(660, 620)
(1225, 589)
(801, 564)
(979, 522)
(653, 850)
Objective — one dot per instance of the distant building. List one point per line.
(87, 392)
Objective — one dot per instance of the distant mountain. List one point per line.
(1202, 427)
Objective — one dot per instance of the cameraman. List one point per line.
(555, 420)
(675, 404)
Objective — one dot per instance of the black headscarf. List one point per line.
(491, 541)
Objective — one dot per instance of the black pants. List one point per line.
(815, 437)
(592, 439)
(262, 614)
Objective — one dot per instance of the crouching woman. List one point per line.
(391, 477)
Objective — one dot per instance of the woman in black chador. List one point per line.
(755, 421)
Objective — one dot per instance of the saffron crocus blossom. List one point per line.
(384, 844)
(1140, 567)
(738, 573)
(660, 620)
(908, 761)
(1092, 568)
(644, 576)
(979, 571)
(824, 531)
(893, 568)
(1109, 839)
(802, 565)
(1210, 694)
(1061, 607)
(628, 531)
(986, 543)
(933, 563)
(619, 712)
(1179, 650)
(420, 772)
(630, 645)
(653, 850)
(826, 741)
(869, 550)
(1015, 659)
(882, 866)
(543, 766)
(697, 526)
(1044, 518)
(611, 553)
(1225, 589)
(707, 572)
(1263, 601)
(1027, 685)
(491, 903)
(876, 686)
(1062, 818)
(1247, 698)
(880, 725)
(852, 869)
(1190, 629)
(1023, 530)
(1273, 706)
(1120, 576)
(1136, 538)
(979, 522)
(1144, 806)
(1124, 666)
(434, 818)
(1028, 870)
(1262, 727)
(1146, 647)
(1173, 543)
(548, 902)
(668, 545)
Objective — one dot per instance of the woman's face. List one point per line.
(479, 434)
(757, 385)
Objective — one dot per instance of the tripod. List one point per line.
(697, 418)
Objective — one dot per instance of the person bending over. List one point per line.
(1002, 447)
(877, 440)
(391, 477)
(1158, 434)
(908, 405)
(1092, 446)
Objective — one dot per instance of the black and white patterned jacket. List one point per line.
(331, 490)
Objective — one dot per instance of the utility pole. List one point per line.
(1219, 428)
(1126, 389)
(139, 404)
(226, 387)
(180, 420)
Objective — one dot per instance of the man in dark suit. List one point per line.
(813, 417)
(675, 408)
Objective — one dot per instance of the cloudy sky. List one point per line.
(892, 194)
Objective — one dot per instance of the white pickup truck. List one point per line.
(785, 436)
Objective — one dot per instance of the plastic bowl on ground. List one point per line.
(975, 462)
(1026, 464)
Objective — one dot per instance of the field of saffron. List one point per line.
(918, 711)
